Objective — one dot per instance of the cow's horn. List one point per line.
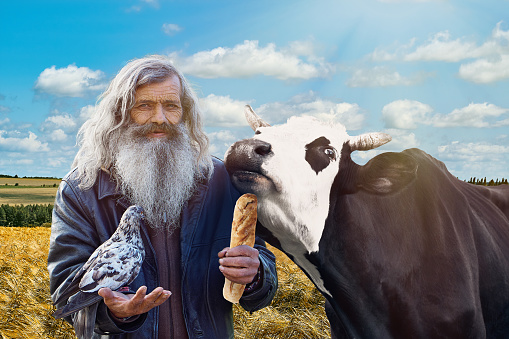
(253, 119)
(365, 142)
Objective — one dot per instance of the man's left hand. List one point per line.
(239, 264)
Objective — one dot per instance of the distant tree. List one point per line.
(20, 217)
(9, 214)
(3, 220)
(26, 215)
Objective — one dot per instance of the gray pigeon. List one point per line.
(114, 264)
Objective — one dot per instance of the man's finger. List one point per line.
(139, 296)
(162, 298)
(238, 262)
(152, 296)
(105, 292)
(222, 253)
(242, 251)
(238, 276)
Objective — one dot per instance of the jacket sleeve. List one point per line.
(263, 294)
(74, 237)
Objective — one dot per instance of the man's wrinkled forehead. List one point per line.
(159, 91)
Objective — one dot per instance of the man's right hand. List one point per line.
(127, 305)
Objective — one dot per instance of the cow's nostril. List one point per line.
(263, 149)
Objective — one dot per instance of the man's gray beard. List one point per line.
(157, 174)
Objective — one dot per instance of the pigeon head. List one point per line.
(129, 226)
(134, 212)
(131, 218)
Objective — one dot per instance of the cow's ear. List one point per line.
(387, 173)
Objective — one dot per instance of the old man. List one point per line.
(145, 145)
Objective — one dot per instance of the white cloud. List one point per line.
(226, 112)
(58, 135)
(28, 144)
(65, 121)
(4, 121)
(4, 109)
(491, 58)
(486, 70)
(476, 159)
(381, 76)
(22, 162)
(473, 152)
(70, 81)
(305, 47)
(220, 141)
(249, 59)
(171, 29)
(350, 115)
(440, 47)
(473, 115)
(58, 162)
(402, 139)
(408, 114)
(86, 112)
(405, 114)
(223, 111)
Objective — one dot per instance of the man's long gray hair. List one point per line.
(97, 137)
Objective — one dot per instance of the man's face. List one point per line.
(158, 103)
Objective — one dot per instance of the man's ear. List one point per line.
(387, 173)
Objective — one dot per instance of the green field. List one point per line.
(27, 191)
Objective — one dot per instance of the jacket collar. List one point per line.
(107, 187)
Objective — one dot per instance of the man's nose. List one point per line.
(159, 117)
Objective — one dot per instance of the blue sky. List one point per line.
(432, 73)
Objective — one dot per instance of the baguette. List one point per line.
(243, 233)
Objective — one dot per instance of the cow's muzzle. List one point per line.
(244, 160)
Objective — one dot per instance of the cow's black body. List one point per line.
(410, 251)
(429, 260)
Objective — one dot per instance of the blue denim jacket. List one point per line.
(82, 220)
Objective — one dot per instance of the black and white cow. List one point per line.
(399, 247)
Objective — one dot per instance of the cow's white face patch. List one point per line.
(291, 168)
(303, 162)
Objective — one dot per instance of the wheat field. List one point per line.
(25, 307)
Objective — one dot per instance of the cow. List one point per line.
(399, 247)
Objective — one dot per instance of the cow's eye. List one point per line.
(330, 152)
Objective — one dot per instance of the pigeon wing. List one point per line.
(74, 286)
(77, 303)
(118, 267)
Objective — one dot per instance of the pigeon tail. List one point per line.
(72, 289)
(84, 322)
(81, 301)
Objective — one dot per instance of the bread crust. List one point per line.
(243, 233)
